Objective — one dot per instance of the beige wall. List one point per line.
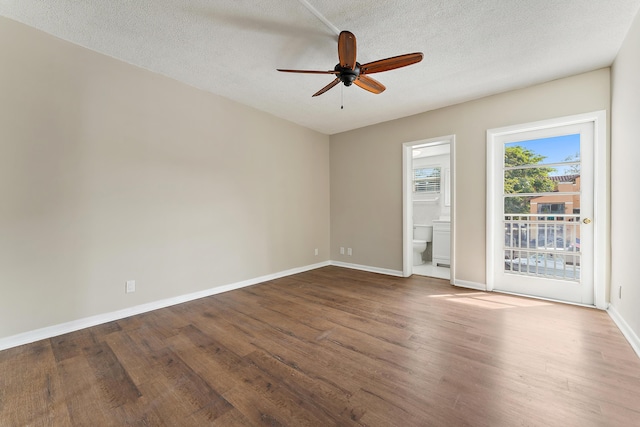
(366, 169)
(625, 177)
(109, 173)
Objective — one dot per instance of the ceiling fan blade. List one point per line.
(308, 71)
(391, 63)
(327, 87)
(367, 83)
(347, 50)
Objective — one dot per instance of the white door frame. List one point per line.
(600, 195)
(407, 205)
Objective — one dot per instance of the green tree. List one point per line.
(525, 180)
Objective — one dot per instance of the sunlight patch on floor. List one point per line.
(491, 301)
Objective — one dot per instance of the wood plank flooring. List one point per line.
(332, 347)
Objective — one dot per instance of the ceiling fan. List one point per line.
(349, 71)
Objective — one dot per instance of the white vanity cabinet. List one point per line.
(441, 242)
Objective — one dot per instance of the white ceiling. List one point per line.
(232, 48)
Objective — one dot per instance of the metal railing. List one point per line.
(544, 245)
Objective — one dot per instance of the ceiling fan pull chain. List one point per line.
(342, 97)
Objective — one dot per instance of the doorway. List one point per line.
(542, 229)
(428, 207)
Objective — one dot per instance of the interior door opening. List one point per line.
(428, 207)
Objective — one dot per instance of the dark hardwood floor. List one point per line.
(332, 347)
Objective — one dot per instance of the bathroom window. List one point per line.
(426, 180)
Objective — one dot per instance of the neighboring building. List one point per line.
(561, 203)
(560, 231)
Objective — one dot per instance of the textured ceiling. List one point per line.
(232, 47)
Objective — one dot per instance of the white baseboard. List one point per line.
(87, 322)
(370, 269)
(470, 285)
(624, 327)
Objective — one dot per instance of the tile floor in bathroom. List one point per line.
(428, 269)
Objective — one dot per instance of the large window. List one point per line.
(426, 180)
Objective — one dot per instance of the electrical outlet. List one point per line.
(341, 250)
(316, 252)
(349, 251)
(131, 286)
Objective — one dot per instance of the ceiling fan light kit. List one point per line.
(349, 71)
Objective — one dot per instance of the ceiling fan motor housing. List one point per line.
(347, 75)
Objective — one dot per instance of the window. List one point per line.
(426, 180)
(554, 209)
(557, 208)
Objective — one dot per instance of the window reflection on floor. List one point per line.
(491, 300)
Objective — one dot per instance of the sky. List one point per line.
(555, 149)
